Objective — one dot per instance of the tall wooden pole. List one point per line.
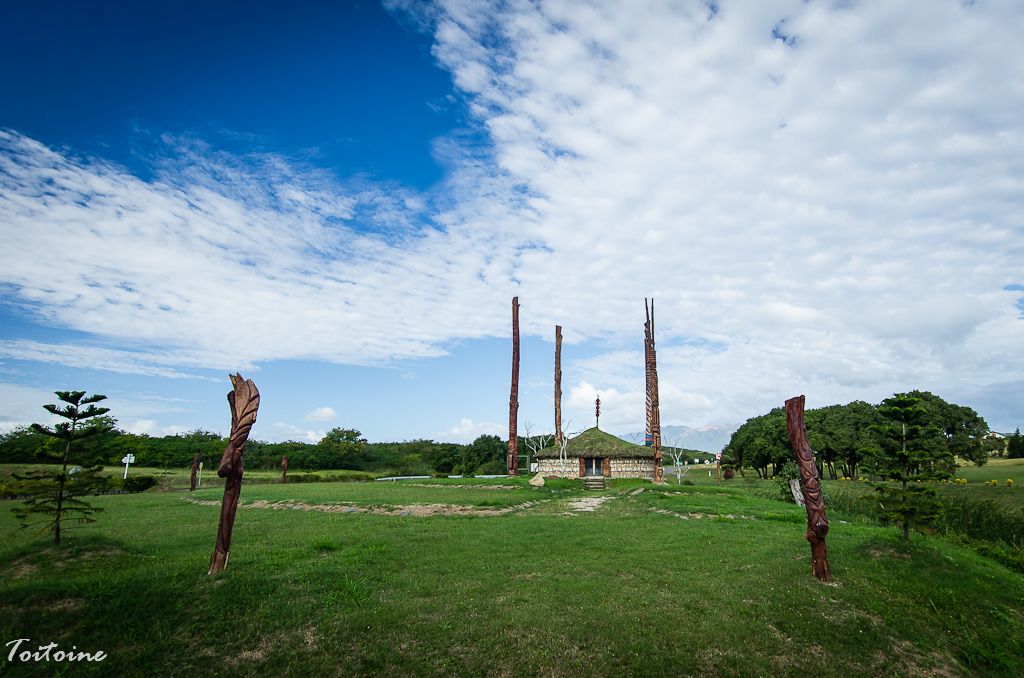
(653, 409)
(817, 521)
(513, 401)
(597, 412)
(558, 385)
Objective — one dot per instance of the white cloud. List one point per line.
(283, 431)
(321, 414)
(823, 198)
(23, 405)
(619, 411)
(150, 427)
(147, 363)
(466, 431)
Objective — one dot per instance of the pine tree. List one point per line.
(1015, 445)
(53, 496)
(910, 455)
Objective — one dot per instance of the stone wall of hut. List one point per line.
(554, 467)
(619, 468)
(632, 468)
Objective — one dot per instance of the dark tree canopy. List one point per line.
(341, 448)
(841, 434)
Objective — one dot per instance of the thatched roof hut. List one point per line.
(596, 443)
(595, 452)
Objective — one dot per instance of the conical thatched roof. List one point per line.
(596, 443)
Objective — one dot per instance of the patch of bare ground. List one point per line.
(916, 665)
(879, 553)
(471, 487)
(20, 568)
(587, 503)
(712, 659)
(270, 644)
(417, 510)
(698, 516)
(55, 557)
(66, 605)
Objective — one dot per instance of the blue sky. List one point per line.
(339, 200)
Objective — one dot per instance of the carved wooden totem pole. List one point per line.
(817, 521)
(558, 386)
(284, 470)
(195, 467)
(244, 400)
(597, 412)
(653, 409)
(513, 401)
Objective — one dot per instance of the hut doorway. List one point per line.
(593, 466)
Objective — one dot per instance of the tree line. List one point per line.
(843, 437)
(339, 449)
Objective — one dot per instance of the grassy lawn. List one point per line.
(653, 581)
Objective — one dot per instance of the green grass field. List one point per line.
(520, 581)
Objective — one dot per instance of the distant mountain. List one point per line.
(709, 438)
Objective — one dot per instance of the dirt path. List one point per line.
(419, 510)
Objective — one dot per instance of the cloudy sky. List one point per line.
(339, 200)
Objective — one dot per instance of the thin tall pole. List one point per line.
(653, 409)
(558, 385)
(513, 401)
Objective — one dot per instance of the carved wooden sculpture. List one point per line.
(558, 385)
(244, 401)
(284, 470)
(817, 521)
(653, 409)
(597, 412)
(513, 402)
(195, 467)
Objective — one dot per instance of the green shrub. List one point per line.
(139, 483)
(329, 478)
(790, 471)
(495, 467)
(982, 519)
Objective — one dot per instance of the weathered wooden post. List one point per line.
(653, 409)
(817, 521)
(513, 402)
(244, 401)
(597, 412)
(195, 467)
(558, 385)
(284, 470)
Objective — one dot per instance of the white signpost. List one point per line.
(127, 459)
(200, 481)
